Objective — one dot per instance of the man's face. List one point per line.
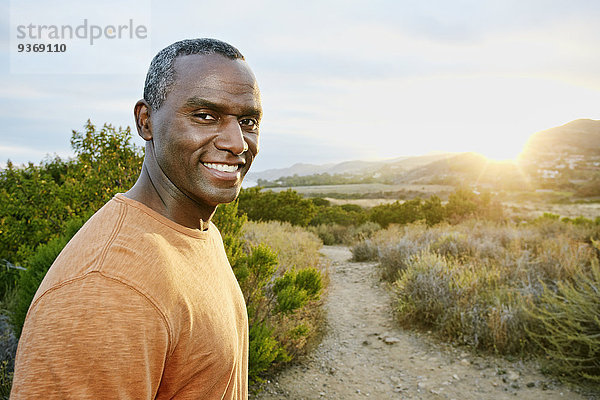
(205, 134)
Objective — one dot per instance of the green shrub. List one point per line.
(567, 324)
(397, 213)
(345, 215)
(295, 288)
(37, 200)
(263, 351)
(9, 276)
(36, 267)
(285, 206)
(280, 282)
(6, 377)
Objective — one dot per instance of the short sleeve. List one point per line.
(91, 338)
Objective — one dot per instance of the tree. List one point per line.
(37, 200)
(286, 206)
(433, 211)
(397, 213)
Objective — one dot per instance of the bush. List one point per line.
(281, 296)
(9, 276)
(345, 215)
(295, 288)
(37, 200)
(462, 303)
(6, 377)
(473, 282)
(364, 251)
(567, 325)
(338, 234)
(36, 267)
(301, 252)
(8, 349)
(285, 206)
(397, 213)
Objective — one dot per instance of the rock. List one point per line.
(530, 384)
(390, 340)
(456, 377)
(465, 362)
(512, 376)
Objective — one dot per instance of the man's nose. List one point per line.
(231, 137)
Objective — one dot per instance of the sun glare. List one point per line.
(501, 155)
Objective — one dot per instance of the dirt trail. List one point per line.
(365, 355)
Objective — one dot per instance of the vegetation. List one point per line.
(456, 264)
(500, 287)
(317, 180)
(37, 266)
(287, 206)
(282, 301)
(345, 224)
(38, 200)
(568, 328)
(302, 252)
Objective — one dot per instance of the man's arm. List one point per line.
(91, 338)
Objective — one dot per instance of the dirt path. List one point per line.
(365, 355)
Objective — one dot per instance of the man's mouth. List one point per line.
(222, 167)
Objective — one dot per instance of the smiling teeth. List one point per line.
(221, 167)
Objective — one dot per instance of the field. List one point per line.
(364, 189)
(526, 206)
(530, 209)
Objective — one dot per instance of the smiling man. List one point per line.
(142, 302)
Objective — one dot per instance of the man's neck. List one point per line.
(156, 191)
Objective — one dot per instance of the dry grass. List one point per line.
(295, 247)
(472, 282)
(361, 188)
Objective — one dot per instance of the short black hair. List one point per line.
(161, 74)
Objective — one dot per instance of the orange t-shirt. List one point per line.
(136, 307)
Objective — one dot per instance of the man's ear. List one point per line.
(141, 112)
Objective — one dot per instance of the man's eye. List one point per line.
(205, 116)
(249, 123)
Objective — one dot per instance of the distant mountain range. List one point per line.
(356, 167)
(565, 155)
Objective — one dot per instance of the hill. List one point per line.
(357, 168)
(565, 158)
(470, 169)
(579, 137)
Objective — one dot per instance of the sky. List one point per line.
(340, 80)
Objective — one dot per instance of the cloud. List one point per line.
(351, 79)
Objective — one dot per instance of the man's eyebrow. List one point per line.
(197, 102)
